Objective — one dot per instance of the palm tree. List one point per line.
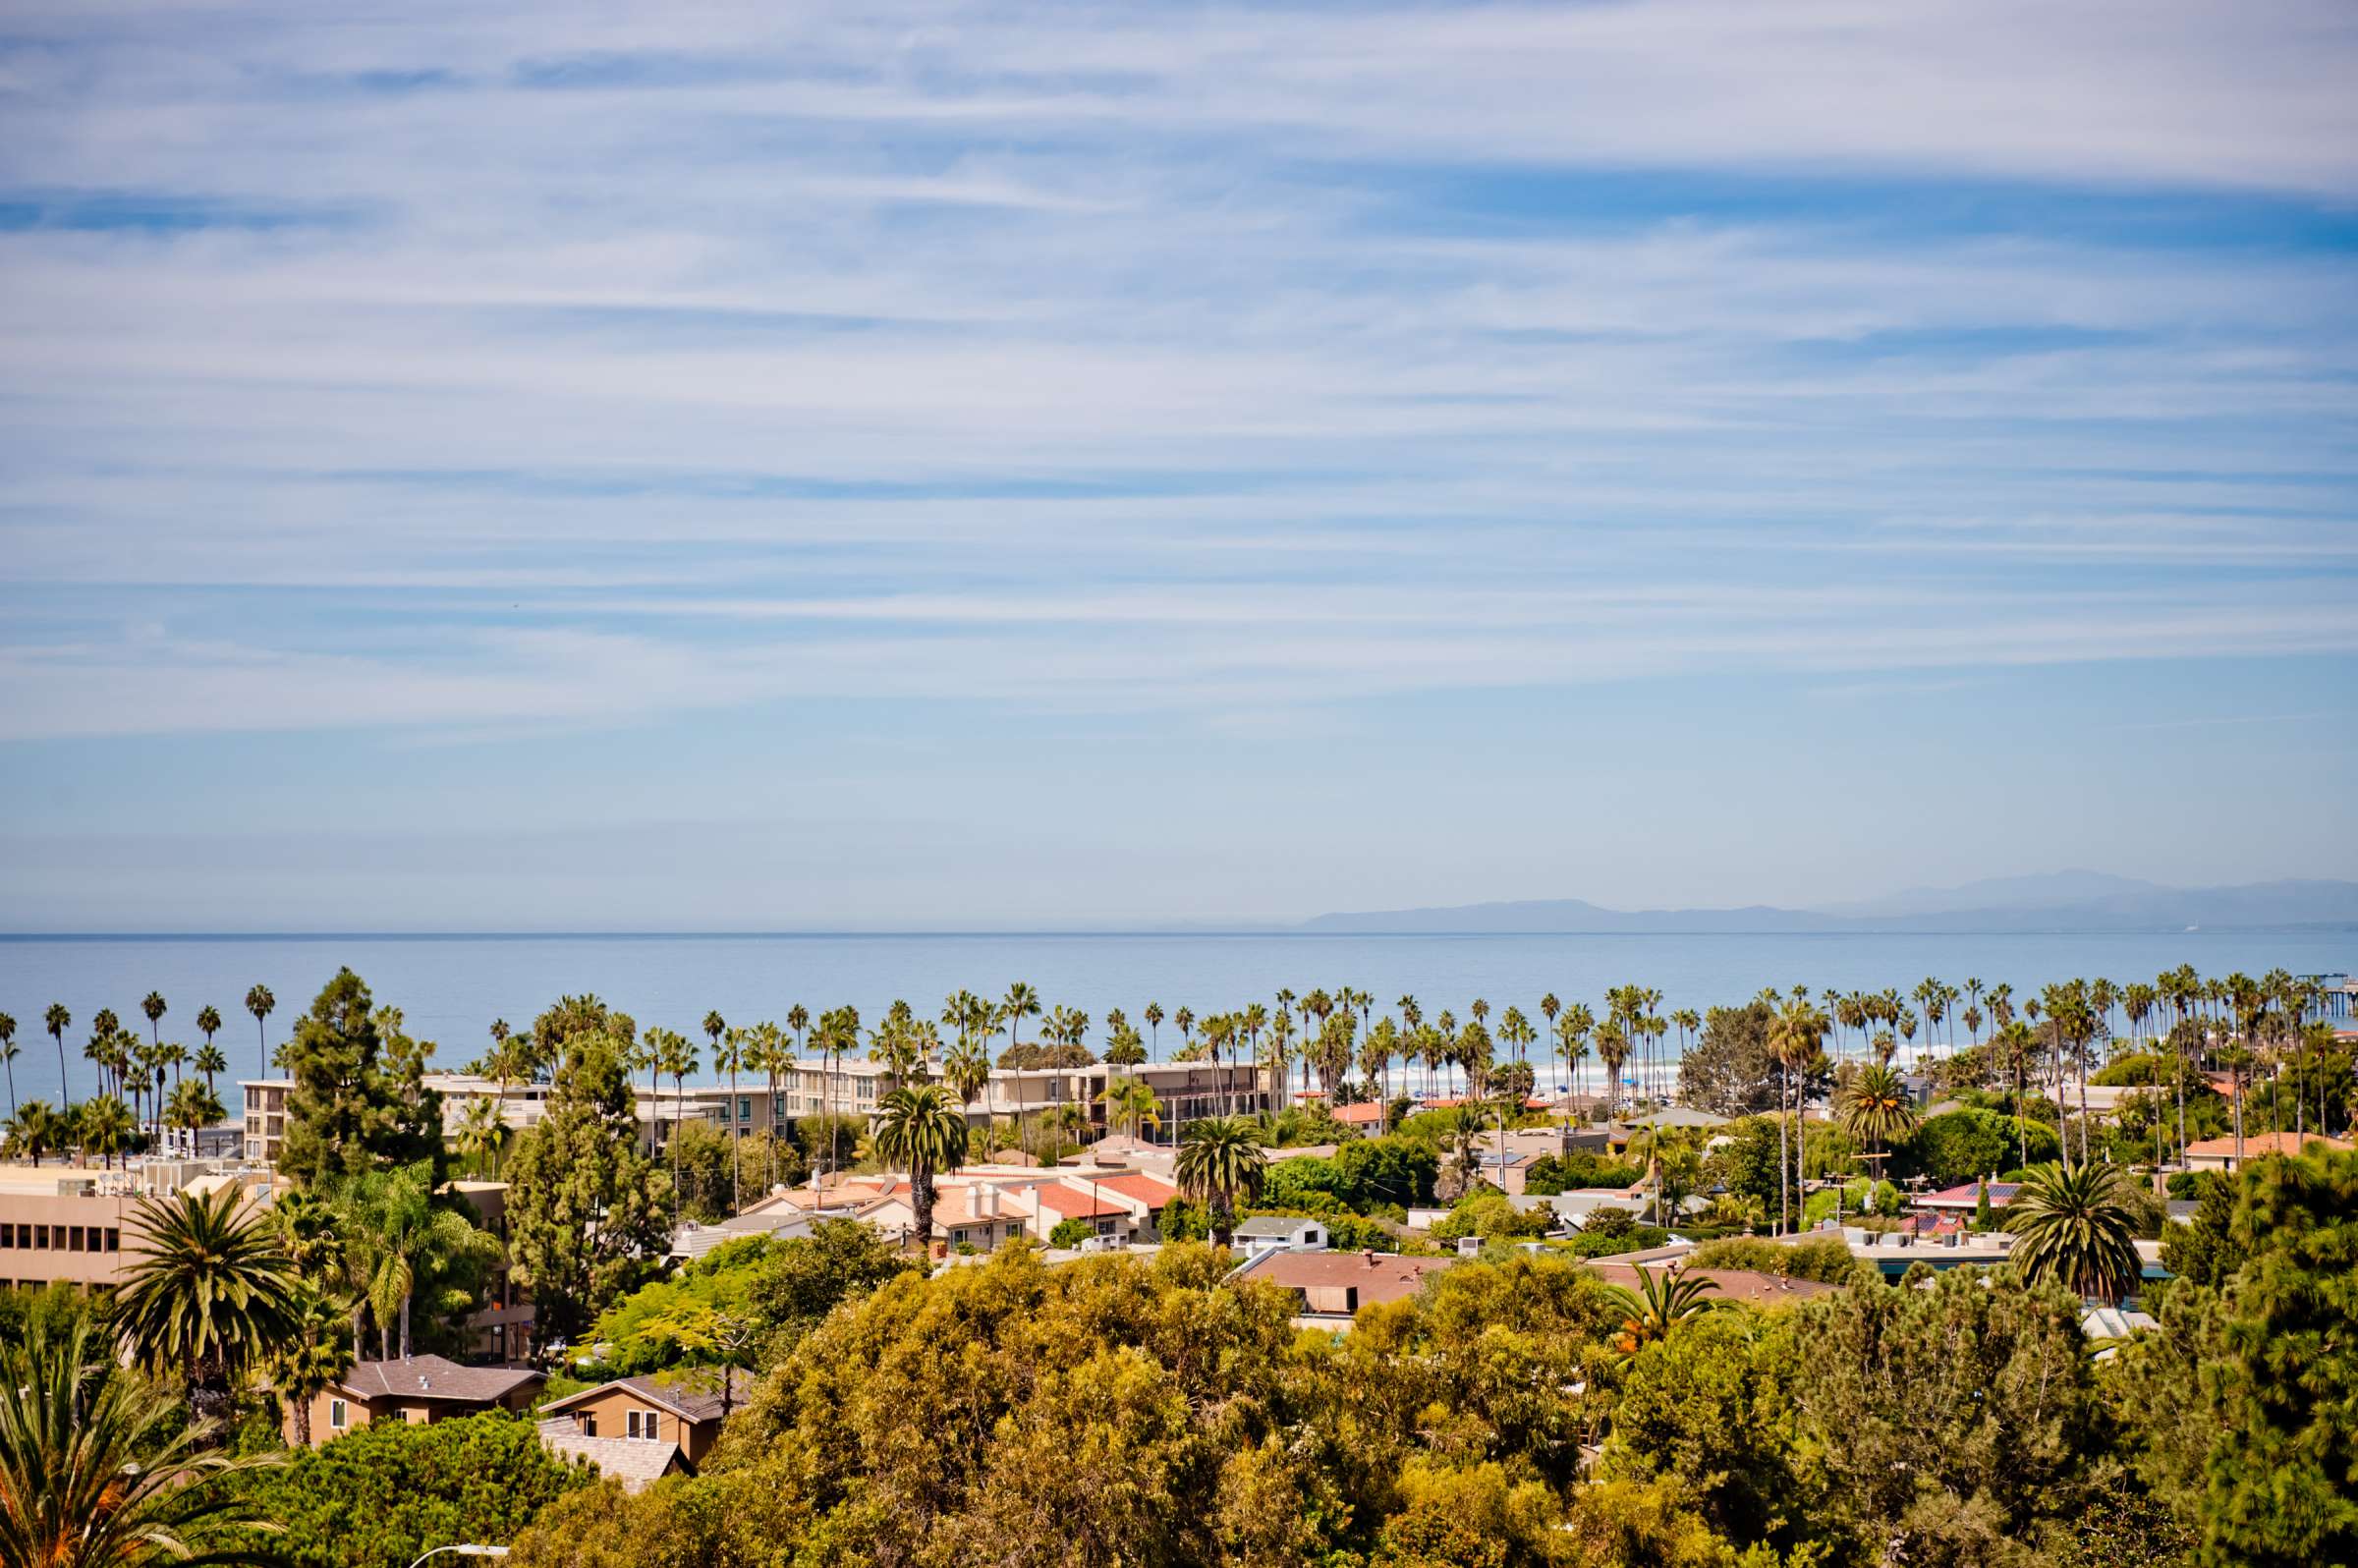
(1219, 1160)
(34, 1130)
(98, 1470)
(1612, 1049)
(393, 1236)
(922, 1129)
(2015, 1042)
(482, 1132)
(1153, 1017)
(1664, 1299)
(314, 1355)
(209, 1061)
(729, 1046)
(1130, 1104)
(103, 1126)
(2074, 1230)
(261, 1004)
(193, 1106)
(209, 1289)
(1876, 1108)
(152, 1005)
(57, 1020)
(1796, 1039)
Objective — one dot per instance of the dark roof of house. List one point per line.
(432, 1378)
(693, 1394)
(1734, 1284)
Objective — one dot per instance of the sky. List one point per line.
(588, 466)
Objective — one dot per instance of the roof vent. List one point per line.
(421, 1382)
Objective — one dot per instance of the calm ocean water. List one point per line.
(451, 987)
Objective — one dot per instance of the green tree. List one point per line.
(1221, 1161)
(207, 1289)
(99, 1470)
(2281, 1385)
(475, 1478)
(359, 1100)
(922, 1129)
(2074, 1230)
(404, 1245)
(585, 1207)
(1954, 1420)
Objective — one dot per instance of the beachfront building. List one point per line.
(1187, 1090)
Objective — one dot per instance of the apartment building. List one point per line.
(1188, 1092)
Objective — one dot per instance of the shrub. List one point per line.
(1070, 1232)
(1551, 1174)
(1823, 1258)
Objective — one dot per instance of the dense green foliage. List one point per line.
(746, 1303)
(358, 1101)
(2244, 1408)
(586, 1211)
(1551, 1174)
(382, 1494)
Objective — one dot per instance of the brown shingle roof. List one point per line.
(1379, 1276)
(432, 1378)
(635, 1462)
(1735, 1284)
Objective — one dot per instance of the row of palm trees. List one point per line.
(145, 1074)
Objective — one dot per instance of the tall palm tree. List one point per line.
(2074, 1229)
(57, 1020)
(1153, 1017)
(209, 1061)
(922, 1129)
(1612, 1049)
(2015, 1042)
(1220, 1159)
(729, 1049)
(394, 1236)
(1796, 1039)
(207, 1290)
(98, 1470)
(261, 1004)
(8, 1057)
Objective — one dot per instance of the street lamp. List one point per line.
(464, 1549)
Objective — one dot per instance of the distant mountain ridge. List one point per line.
(2060, 901)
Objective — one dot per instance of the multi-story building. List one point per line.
(1188, 1092)
(63, 1224)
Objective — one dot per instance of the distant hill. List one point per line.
(2063, 901)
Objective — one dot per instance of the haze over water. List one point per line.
(451, 987)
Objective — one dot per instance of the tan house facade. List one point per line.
(637, 1429)
(420, 1390)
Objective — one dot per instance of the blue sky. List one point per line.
(721, 467)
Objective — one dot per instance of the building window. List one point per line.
(643, 1426)
(335, 1414)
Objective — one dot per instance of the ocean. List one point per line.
(451, 987)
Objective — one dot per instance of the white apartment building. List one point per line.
(1188, 1092)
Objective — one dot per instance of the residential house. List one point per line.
(1331, 1287)
(640, 1429)
(1274, 1232)
(418, 1389)
(2220, 1153)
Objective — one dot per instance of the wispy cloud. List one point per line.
(415, 373)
